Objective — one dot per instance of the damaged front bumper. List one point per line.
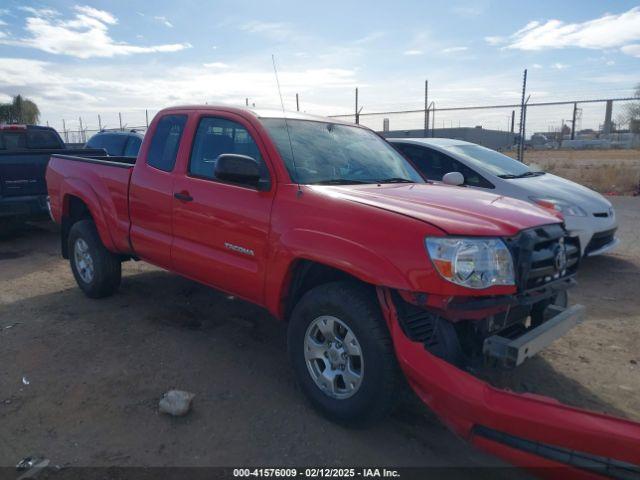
(527, 430)
(511, 352)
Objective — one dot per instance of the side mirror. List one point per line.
(453, 178)
(241, 169)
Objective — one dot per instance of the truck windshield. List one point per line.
(329, 153)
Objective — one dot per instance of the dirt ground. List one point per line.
(96, 369)
(605, 171)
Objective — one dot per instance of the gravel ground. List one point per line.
(96, 369)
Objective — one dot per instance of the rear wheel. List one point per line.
(96, 270)
(342, 353)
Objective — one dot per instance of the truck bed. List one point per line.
(99, 181)
(23, 189)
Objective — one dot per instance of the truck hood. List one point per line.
(456, 210)
(551, 186)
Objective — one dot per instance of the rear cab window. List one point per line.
(165, 142)
(43, 139)
(13, 140)
(31, 138)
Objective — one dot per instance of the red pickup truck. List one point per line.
(379, 273)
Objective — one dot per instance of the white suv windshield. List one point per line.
(496, 163)
(330, 153)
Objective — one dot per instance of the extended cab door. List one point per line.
(151, 191)
(220, 229)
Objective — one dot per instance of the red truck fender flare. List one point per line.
(85, 192)
(345, 255)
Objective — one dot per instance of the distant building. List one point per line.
(495, 139)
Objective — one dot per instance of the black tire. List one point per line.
(107, 270)
(355, 305)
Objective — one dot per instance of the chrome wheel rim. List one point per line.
(334, 357)
(83, 260)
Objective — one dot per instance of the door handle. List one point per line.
(184, 196)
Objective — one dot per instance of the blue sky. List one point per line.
(83, 58)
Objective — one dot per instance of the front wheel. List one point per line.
(342, 354)
(96, 270)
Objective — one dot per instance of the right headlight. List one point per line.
(566, 208)
(472, 262)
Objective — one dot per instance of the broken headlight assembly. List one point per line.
(472, 262)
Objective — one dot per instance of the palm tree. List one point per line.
(20, 110)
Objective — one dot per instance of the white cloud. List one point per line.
(455, 49)
(85, 35)
(560, 66)
(412, 52)
(608, 31)
(495, 40)
(163, 20)
(101, 15)
(67, 90)
(273, 30)
(215, 65)
(40, 12)
(537, 65)
(373, 36)
(633, 49)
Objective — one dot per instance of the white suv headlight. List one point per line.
(472, 262)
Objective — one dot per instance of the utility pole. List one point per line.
(297, 103)
(64, 130)
(246, 101)
(513, 120)
(357, 116)
(81, 135)
(120, 118)
(522, 117)
(99, 123)
(426, 107)
(573, 122)
(146, 117)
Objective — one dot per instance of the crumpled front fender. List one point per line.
(527, 430)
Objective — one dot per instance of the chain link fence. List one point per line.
(545, 122)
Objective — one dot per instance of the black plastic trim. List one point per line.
(585, 461)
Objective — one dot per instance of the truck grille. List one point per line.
(542, 255)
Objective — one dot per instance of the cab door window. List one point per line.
(217, 136)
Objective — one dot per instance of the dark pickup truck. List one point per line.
(24, 154)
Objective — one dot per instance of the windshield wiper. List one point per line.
(395, 180)
(338, 181)
(522, 175)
